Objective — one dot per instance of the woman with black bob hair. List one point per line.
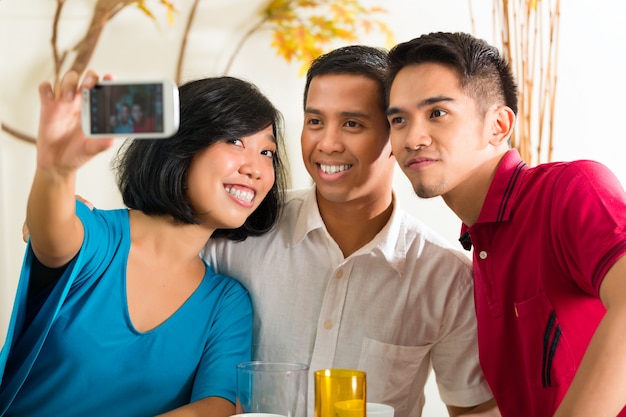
(116, 313)
(151, 174)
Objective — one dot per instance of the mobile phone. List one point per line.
(142, 109)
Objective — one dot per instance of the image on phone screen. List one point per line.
(128, 108)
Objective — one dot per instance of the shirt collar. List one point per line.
(389, 241)
(502, 193)
(308, 218)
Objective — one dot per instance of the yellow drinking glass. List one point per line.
(340, 393)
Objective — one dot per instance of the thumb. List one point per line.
(95, 146)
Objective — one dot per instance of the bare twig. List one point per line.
(183, 45)
(104, 10)
(17, 134)
(242, 41)
(58, 61)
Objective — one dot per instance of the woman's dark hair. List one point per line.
(152, 174)
(483, 73)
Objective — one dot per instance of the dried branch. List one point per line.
(58, 61)
(17, 134)
(241, 42)
(103, 12)
(183, 45)
(302, 28)
(293, 37)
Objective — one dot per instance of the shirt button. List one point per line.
(328, 324)
(483, 254)
(339, 274)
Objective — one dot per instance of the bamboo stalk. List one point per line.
(544, 87)
(471, 13)
(529, 41)
(551, 76)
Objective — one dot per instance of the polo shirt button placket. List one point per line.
(494, 303)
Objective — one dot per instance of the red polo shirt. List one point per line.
(544, 240)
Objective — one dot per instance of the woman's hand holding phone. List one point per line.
(61, 144)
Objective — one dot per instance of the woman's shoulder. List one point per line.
(225, 284)
(87, 212)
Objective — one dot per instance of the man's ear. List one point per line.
(502, 123)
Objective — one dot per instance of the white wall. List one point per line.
(588, 123)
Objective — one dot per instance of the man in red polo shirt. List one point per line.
(549, 241)
(141, 122)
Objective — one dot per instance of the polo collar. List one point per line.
(502, 194)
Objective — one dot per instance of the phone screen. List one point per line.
(126, 108)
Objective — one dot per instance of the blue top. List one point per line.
(81, 356)
(121, 127)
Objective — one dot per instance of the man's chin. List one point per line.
(423, 191)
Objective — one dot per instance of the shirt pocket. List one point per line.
(394, 368)
(548, 359)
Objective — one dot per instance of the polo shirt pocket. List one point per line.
(548, 359)
(394, 368)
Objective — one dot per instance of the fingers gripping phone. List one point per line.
(144, 109)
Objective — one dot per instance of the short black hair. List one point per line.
(362, 60)
(484, 74)
(152, 173)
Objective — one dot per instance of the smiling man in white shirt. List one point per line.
(349, 280)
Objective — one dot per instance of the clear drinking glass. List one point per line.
(272, 387)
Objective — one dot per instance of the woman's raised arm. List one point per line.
(56, 233)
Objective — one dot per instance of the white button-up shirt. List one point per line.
(398, 306)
